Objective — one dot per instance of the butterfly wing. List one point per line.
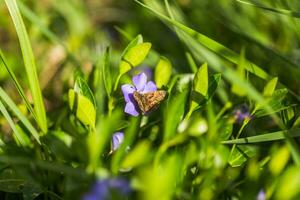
(141, 101)
(149, 101)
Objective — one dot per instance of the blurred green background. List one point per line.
(71, 35)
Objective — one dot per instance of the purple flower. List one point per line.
(117, 140)
(108, 189)
(140, 85)
(142, 69)
(241, 113)
(261, 195)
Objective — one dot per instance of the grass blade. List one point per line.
(211, 44)
(276, 10)
(18, 86)
(279, 135)
(194, 38)
(18, 135)
(29, 64)
(195, 41)
(19, 114)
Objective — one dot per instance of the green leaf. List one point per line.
(81, 87)
(281, 107)
(163, 72)
(275, 102)
(270, 87)
(100, 138)
(134, 56)
(288, 115)
(137, 40)
(198, 100)
(137, 156)
(225, 128)
(124, 65)
(83, 108)
(173, 114)
(199, 88)
(267, 137)
(200, 83)
(240, 155)
(297, 122)
(214, 82)
(29, 64)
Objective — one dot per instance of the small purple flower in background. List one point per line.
(108, 189)
(242, 113)
(117, 140)
(261, 195)
(140, 85)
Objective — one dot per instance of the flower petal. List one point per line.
(140, 81)
(100, 190)
(117, 140)
(150, 87)
(127, 92)
(131, 109)
(121, 185)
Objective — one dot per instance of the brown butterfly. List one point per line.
(149, 101)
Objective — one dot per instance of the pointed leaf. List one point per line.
(134, 56)
(83, 108)
(81, 87)
(240, 155)
(270, 87)
(200, 84)
(163, 72)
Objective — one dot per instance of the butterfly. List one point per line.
(149, 101)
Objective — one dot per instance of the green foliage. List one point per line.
(83, 108)
(163, 72)
(240, 155)
(22, 138)
(228, 129)
(29, 64)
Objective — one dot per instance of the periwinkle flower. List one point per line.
(108, 189)
(140, 85)
(142, 69)
(117, 140)
(242, 113)
(261, 195)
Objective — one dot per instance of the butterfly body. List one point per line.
(149, 101)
